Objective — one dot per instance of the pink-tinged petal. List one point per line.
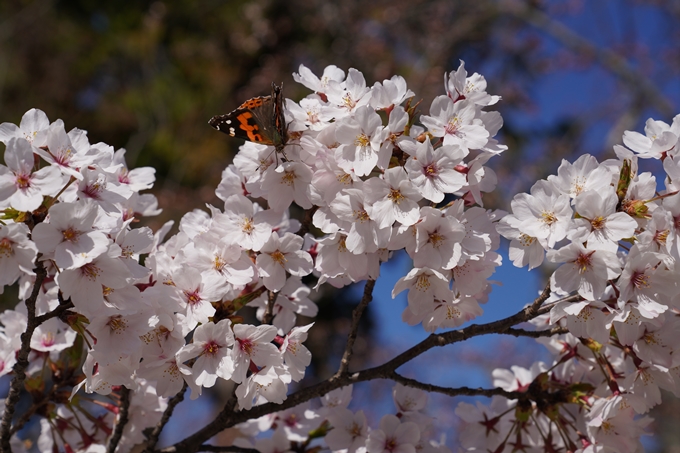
(27, 199)
(7, 185)
(19, 156)
(620, 225)
(34, 120)
(9, 131)
(47, 237)
(271, 271)
(84, 249)
(299, 263)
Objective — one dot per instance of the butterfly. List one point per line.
(258, 120)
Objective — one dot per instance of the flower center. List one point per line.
(246, 345)
(598, 223)
(423, 282)
(219, 263)
(6, 249)
(640, 280)
(23, 181)
(117, 324)
(90, 271)
(361, 215)
(452, 312)
(95, 189)
(661, 236)
(390, 444)
(341, 245)
(288, 178)
(583, 261)
(278, 257)
(362, 140)
(344, 178)
(348, 101)
(247, 225)
(395, 196)
(435, 239)
(526, 240)
(211, 348)
(579, 185)
(430, 170)
(452, 126)
(70, 234)
(193, 298)
(548, 217)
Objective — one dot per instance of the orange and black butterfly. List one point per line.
(258, 120)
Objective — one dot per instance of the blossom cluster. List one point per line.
(373, 180)
(343, 430)
(613, 236)
(154, 315)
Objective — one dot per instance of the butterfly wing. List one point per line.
(258, 120)
(252, 121)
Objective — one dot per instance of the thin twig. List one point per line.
(227, 417)
(122, 419)
(231, 448)
(460, 391)
(307, 221)
(356, 317)
(269, 310)
(152, 439)
(37, 404)
(21, 361)
(536, 333)
(26, 416)
(540, 299)
(61, 309)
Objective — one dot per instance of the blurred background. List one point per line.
(147, 76)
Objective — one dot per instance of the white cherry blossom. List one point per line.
(20, 187)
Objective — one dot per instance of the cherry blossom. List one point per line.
(69, 235)
(210, 347)
(20, 187)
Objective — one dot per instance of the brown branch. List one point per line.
(122, 419)
(307, 221)
(460, 391)
(269, 309)
(227, 417)
(37, 405)
(152, 439)
(536, 333)
(22, 361)
(231, 448)
(356, 317)
(57, 312)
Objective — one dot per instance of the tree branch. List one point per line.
(122, 419)
(227, 417)
(536, 333)
(152, 439)
(57, 312)
(22, 361)
(269, 309)
(460, 391)
(231, 448)
(307, 221)
(356, 317)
